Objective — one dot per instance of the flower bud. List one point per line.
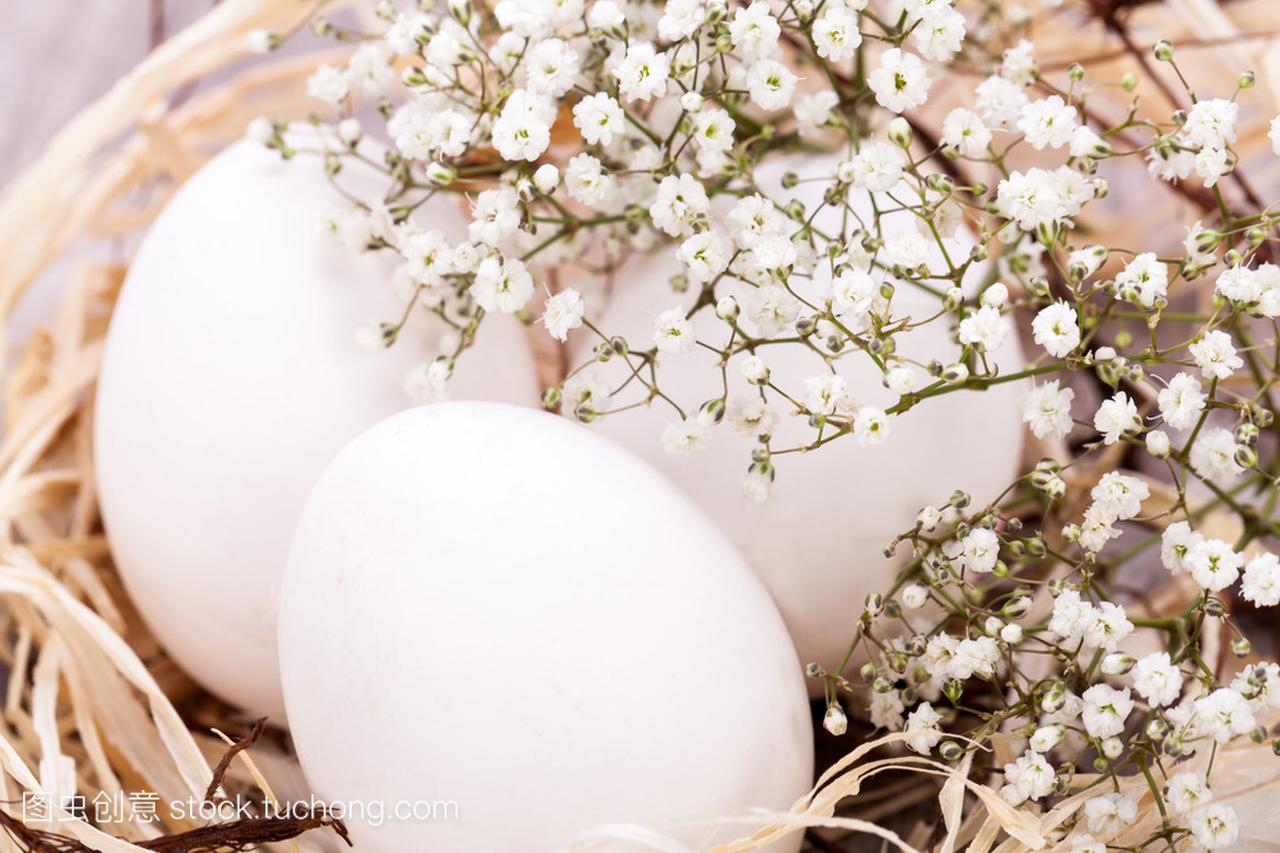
(995, 296)
(1246, 457)
(1240, 647)
(1247, 80)
(914, 596)
(350, 132)
(754, 370)
(1011, 633)
(551, 397)
(874, 603)
(691, 102)
(955, 373)
(711, 412)
(1163, 51)
(727, 308)
(900, 132)
(834, 721)
(441, 175)
(1158, 444)
(546, 179)
(1117, 663)
(1047, 737)
(1112, 748)
(951, 751)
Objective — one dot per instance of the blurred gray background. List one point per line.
(56, 56)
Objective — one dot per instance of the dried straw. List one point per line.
(88, 704)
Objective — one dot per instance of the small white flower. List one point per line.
(1117, 416)
(754, 31)
(1176, 543)
(1056, 329)
(1019, 64)
(1047, 409)
(984, 329)
(1211, 122)
(672, 331)
(598, 117)
(999, 101)
(1215, 827)
(427, 382)
(878, 166)
(1262, 580)
(1214, 564)
(502, 285)
(329, 84)
(680, 199)
(963, 131)
(523, 129)
(922, 723)
(1215, 355)
(825, 393)
(1109, 813)
(563, 313)
(1181, 402)
(980, 550)
(1048, 123)
(1120, 495)
(870, 426)
(751, 416)
(1143, 280)
(1223, 714)
(1213, 455)
(900, 82)
(681, 438)
(886, 710)
(770, 84)
(586, 180)
(643, 72)
(1186, 791)
(494, 217)
(1028, 778)
(836, 33)
(1157, 680)
(1105, 710)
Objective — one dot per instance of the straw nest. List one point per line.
(93, 705)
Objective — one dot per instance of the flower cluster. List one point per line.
(786, 160)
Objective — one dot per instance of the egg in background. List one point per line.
(818, 542)
(229, 380)
(493, 607)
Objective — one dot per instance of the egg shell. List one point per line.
(494, 607)
(231, 377)
(818, 542)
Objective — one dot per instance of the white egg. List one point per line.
(818, 542)
(231, 377)
(494, 608)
